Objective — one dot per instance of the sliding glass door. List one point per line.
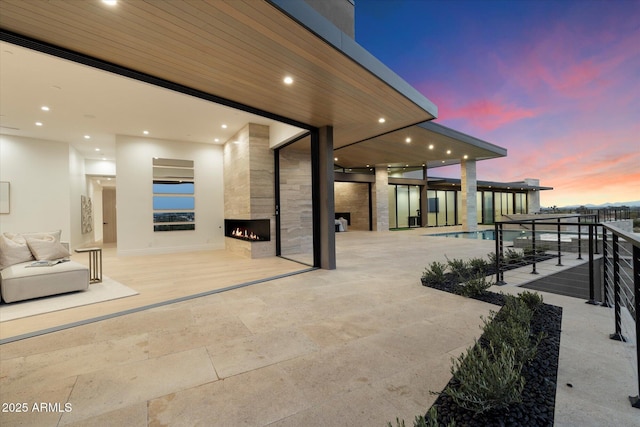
(294, 198)
(404, 206)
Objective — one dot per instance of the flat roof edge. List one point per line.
(451, 133)
(306, 16)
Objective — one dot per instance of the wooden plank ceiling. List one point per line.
(237, 50)
(426, 144)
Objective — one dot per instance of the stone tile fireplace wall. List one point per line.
(248, 186)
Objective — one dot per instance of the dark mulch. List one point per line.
(538, 398)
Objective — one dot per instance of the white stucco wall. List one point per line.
(38, 173)
(134, 197)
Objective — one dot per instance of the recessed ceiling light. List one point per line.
(443, 161)
(381, 120)
(224, 126)
(335, 159)
(146, 132)
(465, 156)
(408, 140)
(423, 165)
(216, 140)
(87, 137)
(430, 146)
(367, 165)
(44, 108)
(97, 149)
(288, 80)
(448, 151)
(110, 2)
(236, 142)
(38, 123)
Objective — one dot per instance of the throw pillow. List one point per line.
(45, 235)
(44, 249)
(13, 251)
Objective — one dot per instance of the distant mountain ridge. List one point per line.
(633, 204)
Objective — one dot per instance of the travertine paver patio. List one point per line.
(356, 346)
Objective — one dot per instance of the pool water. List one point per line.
(483, 234)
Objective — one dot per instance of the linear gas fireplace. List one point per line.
(252, 230)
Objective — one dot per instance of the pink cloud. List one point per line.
(484, 114)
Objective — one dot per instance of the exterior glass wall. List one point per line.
(295, 232)
(444, 206)
(404, 206)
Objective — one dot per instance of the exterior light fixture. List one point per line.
(335, 159)
(146, 132)
(38, 123)
(97, 149)
(44, 108)
(288, 80)
(381, 120)
(216, 140)
(408, 140)
(87, 137)
(465, 157)
(448, 151)
(224, 126)
(430, 146)
(110, 2)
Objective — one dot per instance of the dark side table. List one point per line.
(95, 263)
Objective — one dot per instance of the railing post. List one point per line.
(580, 240)
(592, 292)
(559, 264)
(605, 270)
(533, 245)
(635, 400)
(499, 251)
(616, 290)
(596, 239)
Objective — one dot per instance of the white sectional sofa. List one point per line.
(19, 280)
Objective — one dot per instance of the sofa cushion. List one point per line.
(19, 282)
(44, 249)
(13, 252)
(14, 248)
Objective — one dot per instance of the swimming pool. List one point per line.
(484, 234)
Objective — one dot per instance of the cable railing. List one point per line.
(613, 261)
(621, 273)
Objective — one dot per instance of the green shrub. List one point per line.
(431, 420)
(459, 267)
(479, 265)
(474, 286)
(493, 258)
(533, 300)
(512, 256)
(486, 378)
(435, 273)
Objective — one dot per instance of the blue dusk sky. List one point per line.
(555, 82)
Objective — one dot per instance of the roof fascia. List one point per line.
(306, 16)
(454, 134)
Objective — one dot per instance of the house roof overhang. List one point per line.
(444, 183)
(237, 51)
(425, 144)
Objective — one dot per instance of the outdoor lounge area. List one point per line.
(359, 345)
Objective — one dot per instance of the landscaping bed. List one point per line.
(536, 405)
